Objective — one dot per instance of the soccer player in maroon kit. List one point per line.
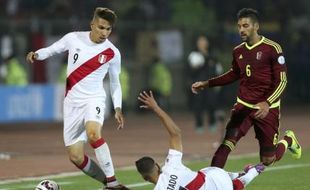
(259, 64)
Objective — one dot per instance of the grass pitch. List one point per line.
(287, 174)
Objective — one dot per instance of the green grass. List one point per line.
(286, 174)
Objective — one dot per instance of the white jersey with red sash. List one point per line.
(88, 64)
(176, 176)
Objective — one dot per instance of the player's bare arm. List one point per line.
(119, 118)
(200, 85)
(263, 110)
(31, 57)
(174, 131)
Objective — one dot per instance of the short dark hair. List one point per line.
(248, 13)
(106, 14)
(145, 165)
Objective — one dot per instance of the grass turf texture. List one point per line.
(286, 174)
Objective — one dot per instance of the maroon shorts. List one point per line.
(266, 130)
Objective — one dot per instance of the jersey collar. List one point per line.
(254, 45)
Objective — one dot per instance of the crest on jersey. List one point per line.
(102, 58)
(281, 60)
(259, 55)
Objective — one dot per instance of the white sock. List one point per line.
(249, 176)
(103, 156)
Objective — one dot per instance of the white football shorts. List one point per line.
(75, 119)
(217, 179)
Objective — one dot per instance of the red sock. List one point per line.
(237, 184)
(98, 143)
(220, 156)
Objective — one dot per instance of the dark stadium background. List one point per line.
(31, 23)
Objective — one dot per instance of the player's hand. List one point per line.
(31, 57)
(263, 110)
(119, 118)
(198, 86)
(148, 100)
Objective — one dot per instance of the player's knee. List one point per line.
(93, 137)
(267, 161)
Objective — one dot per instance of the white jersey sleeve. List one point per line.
(115, 85)
(174, 159)
(56, 48)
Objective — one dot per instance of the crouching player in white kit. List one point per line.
(174, 175)
(90, 57)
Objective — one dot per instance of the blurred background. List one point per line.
(155, 38)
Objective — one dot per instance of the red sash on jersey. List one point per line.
(88, 67)
(197, 182)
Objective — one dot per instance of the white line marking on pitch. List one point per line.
(234, 157)
(72, 174)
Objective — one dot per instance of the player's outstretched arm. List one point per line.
(174, 131)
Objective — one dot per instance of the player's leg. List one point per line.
(289, 142)
(102, 151)
(236, 128)
(267, 133)
(250, 173)
(217, 178)
(94, 118)
(267, 142)
(74, 139)
(292, 144)
(84, 163)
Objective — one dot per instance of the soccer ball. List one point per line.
(196, 60)
(47, 185)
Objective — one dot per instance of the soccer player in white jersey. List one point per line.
(174, 175)
(91, 56)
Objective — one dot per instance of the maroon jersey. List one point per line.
(261, 69)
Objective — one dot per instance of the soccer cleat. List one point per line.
(295, 147)
(260, 167)
(119, 187)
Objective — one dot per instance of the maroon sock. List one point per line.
(237, 184)
(288, 140)
(280, 151)
(220, 156)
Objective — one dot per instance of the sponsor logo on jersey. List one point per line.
(259, 55)
(281, 60)
(102, 58)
